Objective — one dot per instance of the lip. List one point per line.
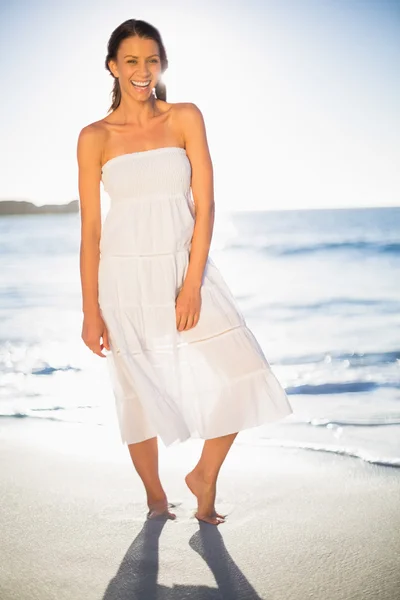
(141, 89)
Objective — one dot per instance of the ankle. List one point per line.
(156, 496)
(206, 475)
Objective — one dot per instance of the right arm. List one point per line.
(89, 165)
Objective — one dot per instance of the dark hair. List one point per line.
(133, 28)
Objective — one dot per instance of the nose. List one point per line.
(143, 69)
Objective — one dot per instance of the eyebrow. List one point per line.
(126, 56)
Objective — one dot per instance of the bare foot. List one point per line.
(159, 508)
(205, 493)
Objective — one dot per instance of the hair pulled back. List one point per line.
(132, 28)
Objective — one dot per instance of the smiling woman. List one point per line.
(183, 362)
(156, 61)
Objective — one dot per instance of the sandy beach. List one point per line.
(300, 524)
(265, 135)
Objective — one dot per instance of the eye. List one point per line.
(132, 60)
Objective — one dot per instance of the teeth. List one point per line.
(140, 83)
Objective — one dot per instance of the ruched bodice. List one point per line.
(148, 174)
(151, 209)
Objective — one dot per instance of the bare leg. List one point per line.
(202, 481)
(144, 456)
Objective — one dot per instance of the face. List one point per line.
(138, 62)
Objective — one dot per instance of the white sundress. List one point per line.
(205, 382)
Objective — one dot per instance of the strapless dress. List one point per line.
(205, 382)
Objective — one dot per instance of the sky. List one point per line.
(301, 98)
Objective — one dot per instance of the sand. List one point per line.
(300, 525)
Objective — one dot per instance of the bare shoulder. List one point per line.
(193, 128)
(187, 108)
(94, 131)
(180, 110)
(189, 113)
(90, 143)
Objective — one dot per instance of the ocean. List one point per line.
(320, 290)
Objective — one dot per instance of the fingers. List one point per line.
(106, 341)
(180, 320)
(187, 321)
(96, 349)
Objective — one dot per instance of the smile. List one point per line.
(140, 84)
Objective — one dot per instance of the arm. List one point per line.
(203, 192)
(89, 164)
(188, 301)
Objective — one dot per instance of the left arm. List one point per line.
(189, 299)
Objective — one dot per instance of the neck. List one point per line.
(133, 112)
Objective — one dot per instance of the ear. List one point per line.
(113, 68)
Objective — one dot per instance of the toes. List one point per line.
(160, 510)
(217, 514)
(213, 520)
(166, 514)
(220, 516)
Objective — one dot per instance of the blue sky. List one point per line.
(301, 98)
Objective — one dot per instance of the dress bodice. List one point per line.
(140, 175)
(151, 210)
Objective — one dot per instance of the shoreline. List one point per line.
(299, 525)
(109, 435)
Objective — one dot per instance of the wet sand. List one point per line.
(301, 525)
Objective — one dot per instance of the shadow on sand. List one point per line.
(137, 575)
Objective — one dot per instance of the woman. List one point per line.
(182, 361)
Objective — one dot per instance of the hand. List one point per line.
(93, 329)
(187, 307)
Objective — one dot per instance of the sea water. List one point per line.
(320, 289)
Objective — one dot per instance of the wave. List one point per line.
(364, 455)
(290, 311)
(338, 387)
(375, 422)
(49, 370)
(384, 305)
(30, 413)
(298, 249)
(355, 359)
